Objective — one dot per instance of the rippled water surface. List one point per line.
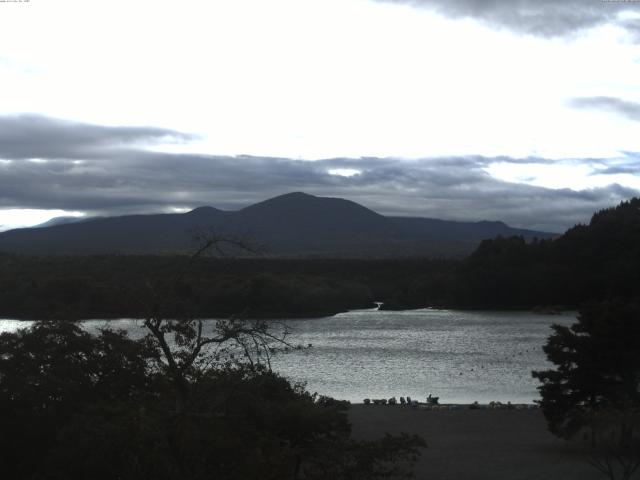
(458, 356)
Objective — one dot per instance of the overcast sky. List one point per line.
(526, 111)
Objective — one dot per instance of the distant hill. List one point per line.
(60, 221)
(295, 224)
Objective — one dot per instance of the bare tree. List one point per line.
(189, 347)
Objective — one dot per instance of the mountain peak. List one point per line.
(295, 195)
(290, 197)
(297, 205)
(203, 210)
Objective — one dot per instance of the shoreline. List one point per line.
(568, 311)
(495, 405)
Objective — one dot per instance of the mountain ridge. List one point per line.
(295, 224)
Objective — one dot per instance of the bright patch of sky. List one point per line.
(313, 79)
(344, 172)
(25, 217)
(574, 175)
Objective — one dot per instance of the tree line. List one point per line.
(114, 286)
(589, 262)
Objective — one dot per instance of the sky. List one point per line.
(525, 111)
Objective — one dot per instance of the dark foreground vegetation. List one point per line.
(588, 263)
(593, 391)
(77, 406)
(190, 400)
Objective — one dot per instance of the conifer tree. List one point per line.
(597, 368)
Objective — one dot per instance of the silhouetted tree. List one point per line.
(595, 385)
(50, 373)
(597, 365)
(180, 340)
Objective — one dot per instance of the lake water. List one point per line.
(459, 356)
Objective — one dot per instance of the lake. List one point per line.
(459, 356)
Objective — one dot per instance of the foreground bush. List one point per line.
(79, 406)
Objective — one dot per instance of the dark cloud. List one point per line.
(619, 169)
(633, 28)
(549, 18)
(621, 107)
(36, 136)
(630, 165)
(109, 180)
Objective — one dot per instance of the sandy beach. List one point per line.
(478, 444)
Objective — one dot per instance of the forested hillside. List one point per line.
(111, 286)
(588, 263)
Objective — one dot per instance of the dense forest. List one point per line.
(116, 286)
(589, 262)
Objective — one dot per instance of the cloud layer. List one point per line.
(621, 107)
(548, 18)
(34, 136)
(103, 171)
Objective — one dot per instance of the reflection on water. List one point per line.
(458, 356)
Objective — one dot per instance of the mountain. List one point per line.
(298, 222)
(292, 224)
(125, 234)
